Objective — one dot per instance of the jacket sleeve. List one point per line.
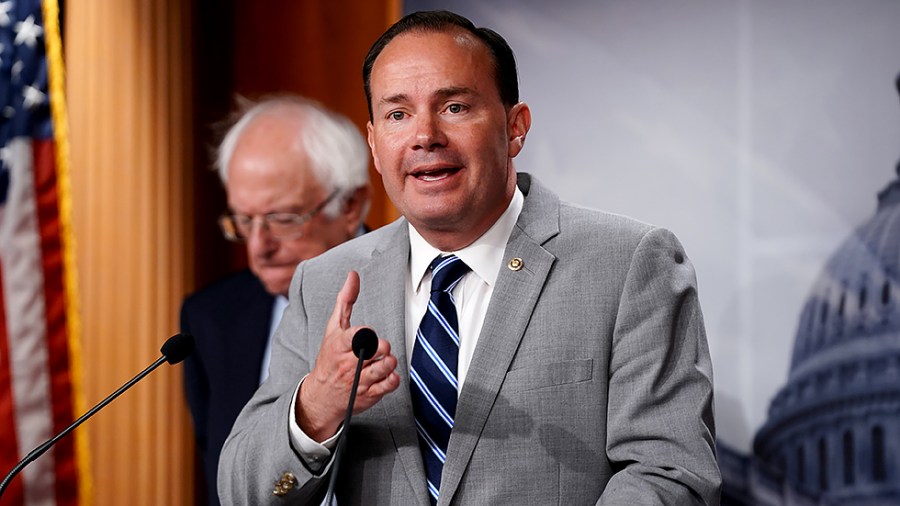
(661, 432)
(258, 453)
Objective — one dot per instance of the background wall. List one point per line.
(253, 49)
(759, 132)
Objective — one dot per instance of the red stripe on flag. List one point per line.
(9, 453)
(55, 314)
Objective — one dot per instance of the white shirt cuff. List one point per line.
(316, 455)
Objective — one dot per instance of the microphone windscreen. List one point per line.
(177, 348)
(365, 342)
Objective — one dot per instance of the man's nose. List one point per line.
(429, 132)
(260, 241)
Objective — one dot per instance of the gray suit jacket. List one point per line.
(591, 382)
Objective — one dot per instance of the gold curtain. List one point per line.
(128, 67)
(133, 96)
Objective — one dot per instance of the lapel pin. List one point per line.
(515, 264)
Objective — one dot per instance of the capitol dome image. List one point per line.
(833, 431)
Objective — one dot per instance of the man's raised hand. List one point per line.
(324, 394)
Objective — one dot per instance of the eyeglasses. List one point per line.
(238, 227)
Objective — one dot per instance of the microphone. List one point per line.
(364, 345)
(174, 350)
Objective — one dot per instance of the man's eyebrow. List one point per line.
(442, 94)
(398, 98)
(453, 91)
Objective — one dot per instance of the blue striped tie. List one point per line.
(433, 377)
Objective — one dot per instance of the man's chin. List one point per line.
(278, 289)
(275, 285)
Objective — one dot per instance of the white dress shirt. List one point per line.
(472, 296)
(278, 307)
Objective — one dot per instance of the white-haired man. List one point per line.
(296, 177)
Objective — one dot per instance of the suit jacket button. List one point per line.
(285, 484)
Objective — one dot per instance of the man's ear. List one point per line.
(355, 208)
(518, 124)
(370, 130)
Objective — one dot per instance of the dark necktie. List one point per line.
(433, 371)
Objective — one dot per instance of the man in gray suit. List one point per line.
(579, 369)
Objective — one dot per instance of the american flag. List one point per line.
(37, 336)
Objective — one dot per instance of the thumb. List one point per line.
(343, 305)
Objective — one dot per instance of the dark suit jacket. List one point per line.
(591, 382)
(230, 322)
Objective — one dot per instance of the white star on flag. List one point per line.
(16, 70)
(33, 97)
(6, 156)
(5, 7)
(27, 32)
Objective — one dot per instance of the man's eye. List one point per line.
(455, 108)
(396, 115)
(281, 218)
(242, 220)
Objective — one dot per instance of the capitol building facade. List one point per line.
(832, 436)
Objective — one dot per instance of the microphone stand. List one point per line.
(174, 348)
(365, 343)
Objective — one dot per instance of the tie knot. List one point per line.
(446, 273)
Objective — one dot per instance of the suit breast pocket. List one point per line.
(552, 374)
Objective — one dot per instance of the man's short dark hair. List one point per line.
(505, 73)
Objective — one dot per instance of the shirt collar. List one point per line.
(484, 256)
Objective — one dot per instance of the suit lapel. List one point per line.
(382, 303)
(512, 302)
